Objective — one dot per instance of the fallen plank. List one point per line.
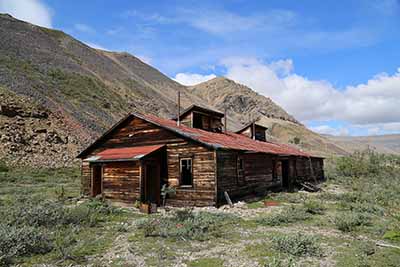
(387, 245)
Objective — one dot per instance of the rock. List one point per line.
(40, 130)
(8, 111)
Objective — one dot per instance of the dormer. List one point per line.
(254, 131)
(202, 118)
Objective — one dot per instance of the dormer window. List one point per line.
(202, 118)
(254, 131)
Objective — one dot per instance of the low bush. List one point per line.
(289, 215)
(297, 244)
(52, 213)
(22, 241)
(186, 225)
(3, 166)
(392, 235)
(349, 221)
(314, 207)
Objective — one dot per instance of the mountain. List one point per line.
(58, 94)
(85, 88)
(245, 105)
(389, 144)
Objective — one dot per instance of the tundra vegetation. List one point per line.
(353, 221)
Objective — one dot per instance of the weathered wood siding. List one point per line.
(256, 178)
(187, 120)
(85, 178)
(121, 181)
(309, 169)
(138, 132)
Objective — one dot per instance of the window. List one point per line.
(186, 172)
(197, 120)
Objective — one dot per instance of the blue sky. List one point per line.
(333, 66)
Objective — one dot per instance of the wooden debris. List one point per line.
(386, 245)
(228, 199)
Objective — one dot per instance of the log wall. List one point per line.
(121, 181)
(256, 178)
(138, 132)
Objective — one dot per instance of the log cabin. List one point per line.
(192, 153)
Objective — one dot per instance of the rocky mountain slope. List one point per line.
(87, 89)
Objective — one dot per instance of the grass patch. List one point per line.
(206, 262)
(297, 245)
(289, 215)
(187, 225)
(350, 221)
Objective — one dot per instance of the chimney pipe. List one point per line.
(254, 130)
(178, 122)
(225, 121)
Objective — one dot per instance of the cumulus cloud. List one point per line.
(376, 101)
(192, 79)
(372, 106)
(33, 11)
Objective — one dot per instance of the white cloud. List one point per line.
(192, 79)
(33, 11)
(372, 106)
(84, 28)
(224, 22)
(376, 101)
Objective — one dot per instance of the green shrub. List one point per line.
(22, 241)
(52, 213)
(3, 166)
(186, 225)
(279, 262)
(289, 215)
(349, 221)
(314, 207)
(392, 235)
(297, 244)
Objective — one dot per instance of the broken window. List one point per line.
(197, 120)
(186, 172)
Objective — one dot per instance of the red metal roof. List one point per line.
(228, 140)
(125, 153)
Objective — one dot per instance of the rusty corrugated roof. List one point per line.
(228, 140)
(124, 154)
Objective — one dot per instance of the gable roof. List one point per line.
(224, 140)
(200, 109)
(248, 125)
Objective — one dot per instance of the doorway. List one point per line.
(152, 182)
(97, 180)
(285, 174)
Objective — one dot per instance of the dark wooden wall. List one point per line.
(143, 133)
(256, 178)
(309, 169)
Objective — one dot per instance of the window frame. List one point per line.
(180, 172)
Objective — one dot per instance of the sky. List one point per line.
(334, 65)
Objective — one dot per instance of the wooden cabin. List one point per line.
(141, 153)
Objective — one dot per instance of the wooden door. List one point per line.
(285, 174)
(97, 180)
(152, 188)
